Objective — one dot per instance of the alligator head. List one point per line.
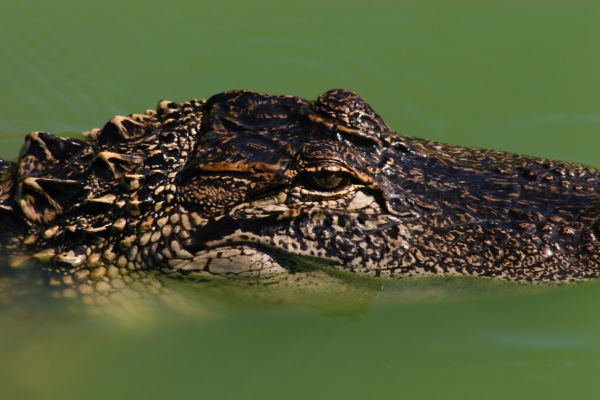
(229, 185)
(330, 179)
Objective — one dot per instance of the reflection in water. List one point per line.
(25, 294)
(224, 337)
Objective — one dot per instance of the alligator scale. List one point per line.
(227, 185)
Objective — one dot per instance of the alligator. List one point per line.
(230, 185)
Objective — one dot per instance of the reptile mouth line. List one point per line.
(289, 261)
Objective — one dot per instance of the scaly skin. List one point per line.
(227, 186)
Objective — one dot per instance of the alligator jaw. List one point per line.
(233, 260)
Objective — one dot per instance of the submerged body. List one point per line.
(230, 185)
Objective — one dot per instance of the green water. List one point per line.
(512, 75)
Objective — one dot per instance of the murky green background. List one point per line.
(514, 75)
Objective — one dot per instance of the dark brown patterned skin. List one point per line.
(227, 185)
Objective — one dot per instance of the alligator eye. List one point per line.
(327, 180)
